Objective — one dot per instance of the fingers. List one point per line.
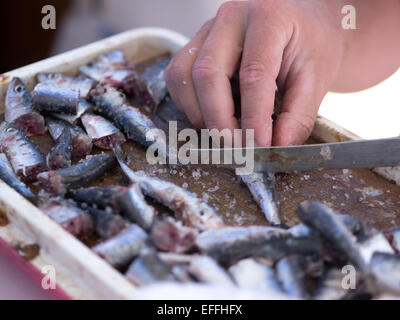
(300, 106)
(179, 77)
(262, 56)
(216, 63)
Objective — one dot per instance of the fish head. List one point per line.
(18, 93)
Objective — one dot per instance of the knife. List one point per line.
(340, 155)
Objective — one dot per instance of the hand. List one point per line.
(294, 44)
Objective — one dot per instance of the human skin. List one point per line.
(299, 46)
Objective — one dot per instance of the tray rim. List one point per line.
(86, 275)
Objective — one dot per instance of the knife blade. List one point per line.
(340, 155)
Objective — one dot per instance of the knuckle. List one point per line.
(174, 73)
(227, 8)
(204, 69)
(252, 72)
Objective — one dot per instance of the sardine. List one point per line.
(386, 269)
(150, 86)
(81, 143)
(61, 94)
(67, 215)
(107, 224)
(81, 84)
(8, 176)
(103, 133)
(137, 126)
(353, 224)
(79, 175)
(249, 274)
(231, 244)
(201, 268)
(112, 68)
(19, 110)
(133, 205)
(149, 269)
(262, 187)
(120, 250)
(60, 155)
(375, 241)
(101, 197)
(330, 286)
(171, 235)
(24, 156)
(82, 107)
(205, 269)
(191, 210)
(326, 224)
(292, 277)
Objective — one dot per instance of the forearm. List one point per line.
(372, 51)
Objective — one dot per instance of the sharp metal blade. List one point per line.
(341, 155)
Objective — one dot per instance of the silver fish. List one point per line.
(120, 250)
(82, 107)
(79, 175)
(133, 205)
(386, 269)
(375, 241)
(322, 220)
(262, 187)
(149, 269)
(231, 244)
(150, 86)
(8, 176)
(67, 215)
(81, 84)
(292, 277)
(19, 110)
(170, 235)
(330, 286)
(191, 210)
(202, 268)
(205, 269)
(353, 224)
(100, 197)
(107, 223)
(81, 143)
(60, 155)
(138, 127)
(61, 94)
(112, 68)
(24, 156)
(249, 274)
(103, 133)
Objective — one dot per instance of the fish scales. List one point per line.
(59, 156)
(102, 132)
(8, 176)
(23, 155)
(19, 110)
(191, 210)
(120, 250)
(133, 205)
(81, 142)
(79, 175)
(324, 222)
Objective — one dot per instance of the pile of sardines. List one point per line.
(313, 260)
